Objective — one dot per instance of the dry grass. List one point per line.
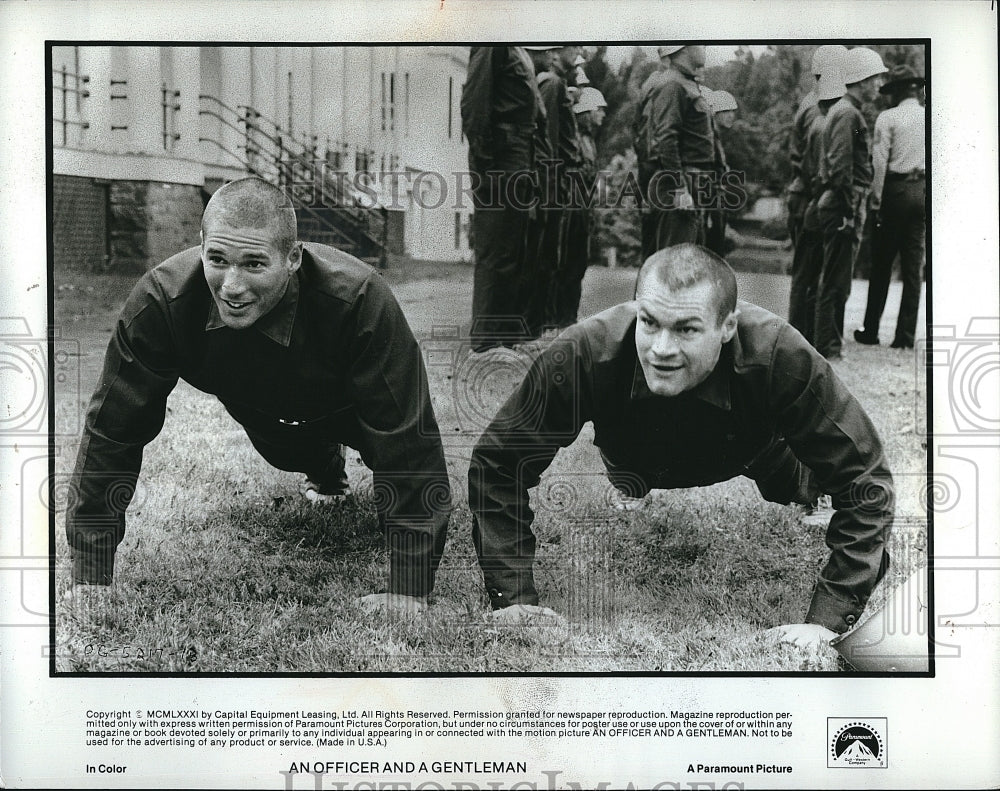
(225, 568)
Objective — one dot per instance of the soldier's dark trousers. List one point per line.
(545, 240)
(807, 263)
(901, 232)
(840, 247)
(715, 231)
(302, 449)
(501, 198)
(667, 227)
(797, 202)
(572, 268)
(779, 475)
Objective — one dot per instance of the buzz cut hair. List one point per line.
(686, 265)
(254, 203)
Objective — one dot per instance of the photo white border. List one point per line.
(940, 728)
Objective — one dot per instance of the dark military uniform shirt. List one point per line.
(812, 167)
(806, 114)
(561, 130)
(500, 95)
(335, 359)
(847, 153)
(769, 387)
(673, 129)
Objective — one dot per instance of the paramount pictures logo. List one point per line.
(856, 743)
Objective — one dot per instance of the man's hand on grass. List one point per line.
(396, 603)
(528, 614)
(804, 635)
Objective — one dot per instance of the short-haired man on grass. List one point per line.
(306, 348)
(688, 387)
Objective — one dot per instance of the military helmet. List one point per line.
(861, 63)
(831, 85)
(590, 99)
(720, 101)
(827, 55)
(665, 52)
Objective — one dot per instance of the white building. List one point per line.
(141, 136)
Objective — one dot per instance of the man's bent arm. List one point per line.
(126, 412)
(400, 440)
(477, 99)
(545, 413)
(830, 433)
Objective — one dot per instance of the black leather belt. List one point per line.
(913, 175)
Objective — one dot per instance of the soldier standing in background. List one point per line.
(500, 105)
(847, 181)
(673, 144)
(723, 105)
(798, 194)
(589, 111)
(807, 258)
(898, 189)
(561, 133)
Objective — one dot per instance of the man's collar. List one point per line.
(713, 390)
(277, 324)
(853, 100)
(909, 100)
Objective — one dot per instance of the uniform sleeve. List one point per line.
(477, 99)
(545, 413)
(665, 122)
(831, 434)
(126, 412)
(399, 437)
(838, 147)
(881, 146)
(796, 150)
(550, 87)
(569, 134)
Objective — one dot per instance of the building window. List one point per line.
(383, 102)
(169, 101)
(392, 101)
(458, 229)
(119, 90)
(388, 101)
(70, 88)
(406, 103)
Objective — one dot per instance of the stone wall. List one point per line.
(150, 221)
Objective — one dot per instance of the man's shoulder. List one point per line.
(675, 84)
(605, 333)
(332, 273)
(808, 111)
(179, 274)
(808, 101)
(758, 331)
(652, 84)
(844, 110)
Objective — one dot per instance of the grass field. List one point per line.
(225, 568)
